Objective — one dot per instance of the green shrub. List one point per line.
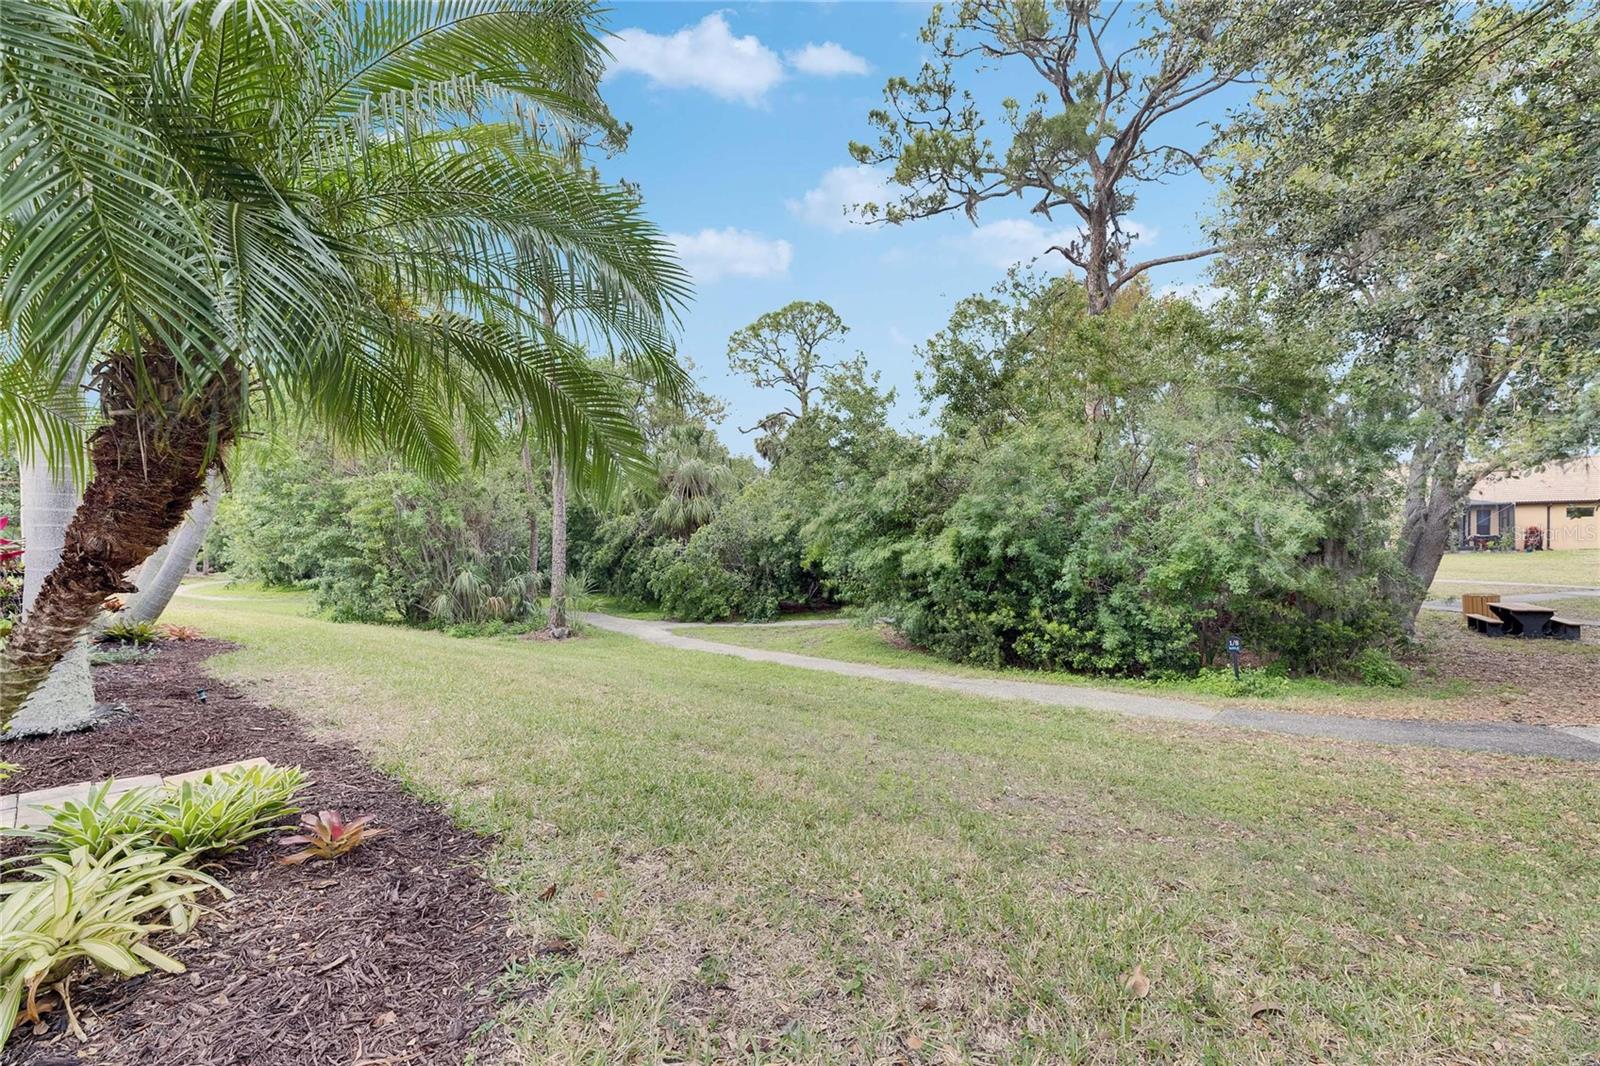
(377, 544)
(97, 826)
(1254, 683)
(748, 562)
(693, 586)
(1377, 667)
(135, 634)
(496, 628)
(221, 813)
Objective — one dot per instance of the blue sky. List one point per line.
(742, 114)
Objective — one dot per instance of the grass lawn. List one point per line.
(750, 863)
(1575, 606)
(1452, 591)
(1577, 567)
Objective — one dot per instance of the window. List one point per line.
(1580, 512)
(1483, 521)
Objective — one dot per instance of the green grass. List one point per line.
(860, 644)
(761, 864)
(1575, 606)
(1452, 591)
(1577, 567)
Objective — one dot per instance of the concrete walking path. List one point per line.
(1509, 738)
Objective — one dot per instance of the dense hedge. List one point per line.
(1113, 495)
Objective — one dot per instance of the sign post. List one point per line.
(1235, 646)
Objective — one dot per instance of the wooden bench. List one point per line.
(1488, 625)
(1564, 629)
(1478, 602)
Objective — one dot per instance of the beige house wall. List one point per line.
(1561, 532)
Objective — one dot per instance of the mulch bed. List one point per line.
(387, 957)
(1540, 682)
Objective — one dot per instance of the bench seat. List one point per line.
(1488, 625)
(1565, 629)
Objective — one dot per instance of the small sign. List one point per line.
(1235, 646)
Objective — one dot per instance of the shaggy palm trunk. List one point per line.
(177, 556)
(559, 623)
(65, 701)
(148, 459)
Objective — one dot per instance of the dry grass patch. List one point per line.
(725, 861)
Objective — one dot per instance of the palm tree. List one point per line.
(695, 479)
(226, 213)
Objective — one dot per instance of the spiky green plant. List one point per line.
(213, 816)
(63, 911)
(137, 634)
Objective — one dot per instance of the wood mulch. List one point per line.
(387, 957)
(1534, 682)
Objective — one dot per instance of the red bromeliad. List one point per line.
(328, 836)
(10, 550)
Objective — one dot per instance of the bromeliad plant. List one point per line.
(10, 550)
(327, 835)
(137, 634)
(81, 907)
(213, 816)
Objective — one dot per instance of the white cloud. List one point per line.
(827, 60)
(705, 56)
(1012, 240)
(841, 188)
(1019, 240)
(712, 254)
(1139, 234)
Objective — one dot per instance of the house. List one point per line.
(1561, 501)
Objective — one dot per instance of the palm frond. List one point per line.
(311, 192)
(40, 419)
(391, 61)
(97, 249)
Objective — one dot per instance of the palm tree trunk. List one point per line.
(528, 489)
(65, 701)
(152, 566)
(148, 459)
(559, 623)
(177, 556)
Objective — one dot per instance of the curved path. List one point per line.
(1509, 738)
